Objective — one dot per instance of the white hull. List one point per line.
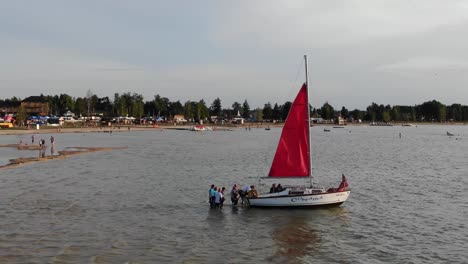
(300, 200)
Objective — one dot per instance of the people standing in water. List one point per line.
(52, 140)
(243, 193)
(221, 194)
(211, 195)
(218, 197)
(235, 194)
(32, 138)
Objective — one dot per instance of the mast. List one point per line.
(308, 117)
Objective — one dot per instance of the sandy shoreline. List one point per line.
(14, 131)
(73, 130)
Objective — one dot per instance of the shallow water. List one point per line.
(148, 203)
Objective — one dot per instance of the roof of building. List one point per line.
(35, 99)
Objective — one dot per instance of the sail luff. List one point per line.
(308, 115)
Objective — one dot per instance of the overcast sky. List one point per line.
(388, 52)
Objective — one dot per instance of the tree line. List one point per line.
(133, 104)
(430, 111)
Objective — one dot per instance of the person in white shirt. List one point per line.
(221, 201)
(218, 196)
(244, 192)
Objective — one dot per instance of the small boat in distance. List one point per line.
(326, 130)
(293, 160)
(450, 134)
(200, 128)
(267, 128)
(407, 124)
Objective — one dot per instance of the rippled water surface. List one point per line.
(148, 203)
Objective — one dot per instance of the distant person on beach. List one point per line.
(52, 140)
(32, 138)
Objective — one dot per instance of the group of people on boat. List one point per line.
(276, 188)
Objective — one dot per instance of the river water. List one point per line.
(148, 203)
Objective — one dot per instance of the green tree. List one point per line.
(21, 115)
(327, 112)
(267, 111)
(66, 103)
(136, 105)
(236, 108)
(442, 113)
(189, 111)
(175, 108)
(455, 112)
(358, 114)
(285, 110)
(245, 109)
(395, 113)
(202, 110)
(432, 110)
(116, 105)
(259, 114)
(215, 109)
(161, 105)
(80, 106)
(344, 112)
(276, 115)
(386, 117)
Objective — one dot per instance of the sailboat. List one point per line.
(293, 160)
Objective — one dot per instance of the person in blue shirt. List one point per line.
(211, 196)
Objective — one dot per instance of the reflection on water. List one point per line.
(301, 237)
(295, 239)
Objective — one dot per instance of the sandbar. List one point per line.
(69, 151)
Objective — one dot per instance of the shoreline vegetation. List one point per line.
(71, 151)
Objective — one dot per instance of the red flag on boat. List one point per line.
(343, 185)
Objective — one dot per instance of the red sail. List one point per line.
(292, 155)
